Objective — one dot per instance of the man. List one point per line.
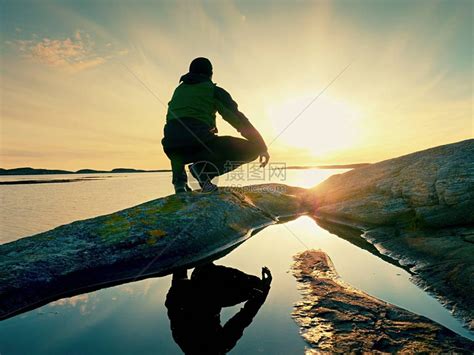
(190, 131)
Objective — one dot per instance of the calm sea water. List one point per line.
(132, 318)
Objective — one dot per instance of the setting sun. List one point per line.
(326, 126)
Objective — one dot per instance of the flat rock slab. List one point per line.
(153, 238)
(335, 317)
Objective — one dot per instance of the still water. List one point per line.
(132, 318)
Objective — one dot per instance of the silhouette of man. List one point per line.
(190, 131)
(194, 307)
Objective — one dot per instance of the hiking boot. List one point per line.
(209, 187)
(203, 180)
(181, 187)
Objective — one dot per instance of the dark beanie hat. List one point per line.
(201, 66)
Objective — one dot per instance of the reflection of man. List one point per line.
(194, 307)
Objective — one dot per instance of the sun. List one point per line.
(325, 126)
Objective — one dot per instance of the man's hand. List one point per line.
(260, 292)
(266, 276)
(263, 159)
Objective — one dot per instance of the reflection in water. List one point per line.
(194, 306)
(354, 236)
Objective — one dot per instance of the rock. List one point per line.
(441, 260)
(417, 209)
(336, 318)
(433, 188)
(155, 237)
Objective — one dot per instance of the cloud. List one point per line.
(73, 54)
(57, 52)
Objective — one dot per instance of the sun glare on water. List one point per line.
(326, 126)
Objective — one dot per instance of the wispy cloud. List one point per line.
(74, 53)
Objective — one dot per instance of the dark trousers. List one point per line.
(223, 154)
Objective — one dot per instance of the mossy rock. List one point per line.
(153, 238)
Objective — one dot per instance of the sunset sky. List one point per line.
(71, 96)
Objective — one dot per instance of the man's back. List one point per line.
(194, 97)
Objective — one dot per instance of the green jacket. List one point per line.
(198, 97)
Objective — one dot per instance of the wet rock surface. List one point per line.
(334, 317)
(153, 238)
(417, 209)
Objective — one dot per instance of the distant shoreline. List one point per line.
(333, 166)
(33, 171)
(55, 181)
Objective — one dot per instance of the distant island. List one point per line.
(34, 171)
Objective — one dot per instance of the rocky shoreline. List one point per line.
(336, 318)
(417, 209)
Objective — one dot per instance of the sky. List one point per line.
(85, 84)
